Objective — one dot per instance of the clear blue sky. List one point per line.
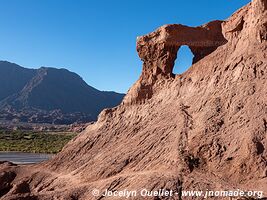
(95, 38)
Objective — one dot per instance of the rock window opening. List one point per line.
(183, 61)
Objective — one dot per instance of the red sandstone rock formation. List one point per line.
(205, 129)
(158, 51)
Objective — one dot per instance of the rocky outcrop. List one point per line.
(158, 51)
(204, 129)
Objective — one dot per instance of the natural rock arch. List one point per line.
(158, 50)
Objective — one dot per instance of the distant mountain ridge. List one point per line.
(49, 95)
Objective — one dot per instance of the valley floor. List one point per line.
(34, 142)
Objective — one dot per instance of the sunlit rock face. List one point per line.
(204, 129)
(158, 51)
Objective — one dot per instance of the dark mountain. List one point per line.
(175, 136)
(13, 78)
(49, 95)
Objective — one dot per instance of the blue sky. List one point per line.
(96, 38)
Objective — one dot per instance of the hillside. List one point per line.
(49, 95)
(203, 130)
(13, 78)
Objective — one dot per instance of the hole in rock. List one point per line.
(183, 61)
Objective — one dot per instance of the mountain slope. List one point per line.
(13, 78)
(58, 91)
(203, 130)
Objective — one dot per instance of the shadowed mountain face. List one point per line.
(203, 130)
(13, 78)
(50, 95)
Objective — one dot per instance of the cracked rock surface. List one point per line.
(205, 129)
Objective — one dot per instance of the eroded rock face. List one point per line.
(248, 24)
(205, 129)
(158, 51)
(6, 178)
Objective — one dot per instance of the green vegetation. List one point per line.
(34, 142)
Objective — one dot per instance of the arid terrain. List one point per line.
(205, 129)
(49, 95)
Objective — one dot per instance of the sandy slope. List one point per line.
(204, 129)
